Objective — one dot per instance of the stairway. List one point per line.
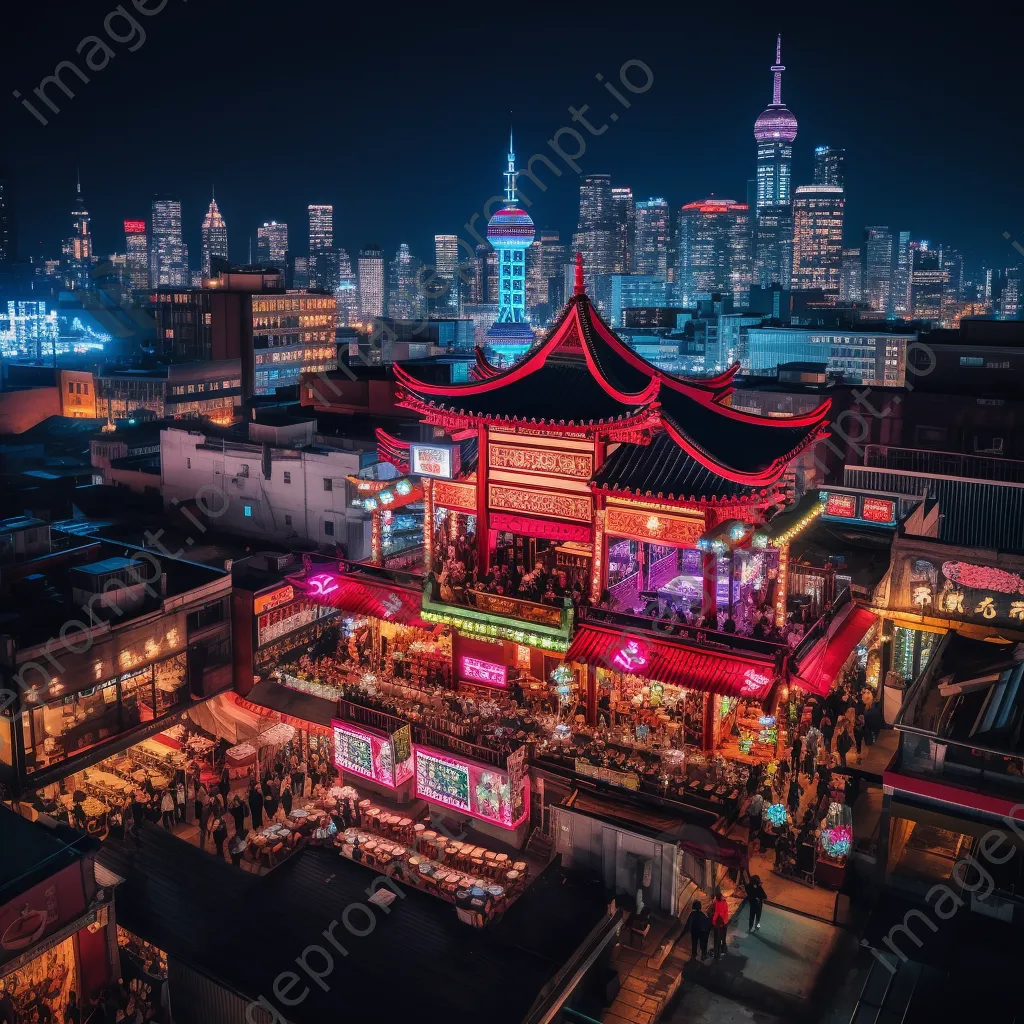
(539, 845)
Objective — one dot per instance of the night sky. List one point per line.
(399, 118)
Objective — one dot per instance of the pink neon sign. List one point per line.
(489, 673)
(755, 683)
(632, 655)
(322, 584)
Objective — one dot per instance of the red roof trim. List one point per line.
(484, 369)
(756, 497)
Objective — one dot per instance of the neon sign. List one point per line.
(488, 673)
(134, 227)
(481, 791)
(632, 655)
(384, 759)
(322, 584)
(843, 506)
(275, 599)
(755, 683)
(878, 510)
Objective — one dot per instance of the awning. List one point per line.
(666, 662)
(821, 666)
(360, 597)
(226, 717)
(302, 710)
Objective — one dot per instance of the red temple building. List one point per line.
(596, 525)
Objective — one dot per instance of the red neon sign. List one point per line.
(878, 510)
(489, 673)
(322, 584)
(843, 506)
(134, 227)
(631, 655)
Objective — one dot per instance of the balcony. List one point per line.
(508, 618)
(687, 636)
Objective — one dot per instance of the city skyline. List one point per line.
(391, 204)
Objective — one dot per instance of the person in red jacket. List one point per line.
(719, 922)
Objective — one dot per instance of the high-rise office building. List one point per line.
(215, 239)
(485, 276)
(511, 232)
(553, 255)
(773, 246)
(8, 236)
(953, 289)
(323, 264)
(405, 295)
(136, 255)
(714, 251)
(817, 237)
(828, 166)
(168, 254)
(901, 276)
(927, 282)
(272, 245)
(775, 130)
(650, 245)
(446, 294)
(851, 276)
(346, 291)
(1011, 299)
(536, 282)
(371, 283)
(878, 269)
(595, 232)
(78, 255)
(623, 225)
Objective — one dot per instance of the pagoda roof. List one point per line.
(662, 470)
(582, 377)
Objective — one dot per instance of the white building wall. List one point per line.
(293, 504)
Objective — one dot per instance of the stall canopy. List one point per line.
(358, 597)
(820, 667)
(686, 667)
(225, 716)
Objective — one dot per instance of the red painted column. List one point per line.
(709, 570)
(482, 531)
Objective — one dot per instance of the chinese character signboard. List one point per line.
(481, 791)
(440, 460)
(486, 673)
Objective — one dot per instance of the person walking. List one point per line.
(719, 922)
(796, 752)
(843, 743)
(204, 824)
(754, 811)
(826, 728)
(167, 810)
(256, 805)
(700, 928)
(811, 742)
(236, 848)
(220, 835)
(286, 800)
(795, 792)
(179, 802)
(225, 783)
(238, 814)
(756, 897)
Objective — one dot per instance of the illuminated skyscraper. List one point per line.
(650, 239)
(510, 232)
(623, 226)
(901, 277)
(775, 130)
(817, 237)
(828, 166)
(448, 298)
(215, 238)
(878, 267)
(371, 283)
(272, 245)
(78, 256)
(168, 254)
(595, 235)
(136, 255)
(851, 276)
(927, 282)
(346, 292)
(554, 255)
(406, 300)
(8, 239)
(714, 251)
(323, 263)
